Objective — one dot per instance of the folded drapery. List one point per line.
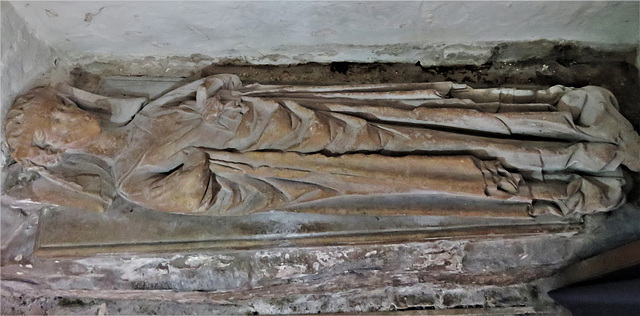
(217, 147)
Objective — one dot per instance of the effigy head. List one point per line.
(42, 124)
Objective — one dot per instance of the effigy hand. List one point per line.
(211, 105)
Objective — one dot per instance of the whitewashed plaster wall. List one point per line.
(433, 32)
(24, 56)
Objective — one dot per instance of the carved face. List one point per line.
(42, 124)
(69, 127)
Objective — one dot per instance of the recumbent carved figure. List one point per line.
(216, 147)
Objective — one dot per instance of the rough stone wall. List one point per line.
(490, 273)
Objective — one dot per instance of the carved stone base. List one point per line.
(128, 228)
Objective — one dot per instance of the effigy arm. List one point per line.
(186, 186)
(78, 181)
(121, 110)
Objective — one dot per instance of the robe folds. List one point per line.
(220, 148)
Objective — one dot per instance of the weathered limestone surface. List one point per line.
(486, 267)
(496, 272)
(490, 269)
(235, 150)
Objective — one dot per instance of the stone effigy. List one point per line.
(217, 147)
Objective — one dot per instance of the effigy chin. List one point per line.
(215, 148)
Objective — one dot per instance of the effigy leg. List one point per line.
(261, 181)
